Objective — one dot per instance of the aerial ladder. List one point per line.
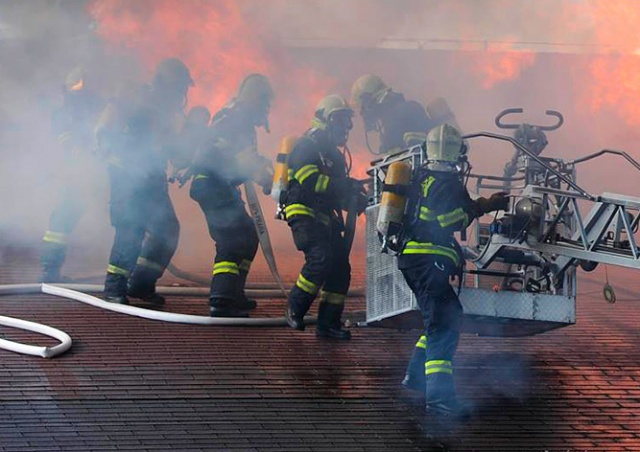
(520, 276)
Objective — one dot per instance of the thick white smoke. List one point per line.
(534, 54)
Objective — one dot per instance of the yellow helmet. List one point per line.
(445, 145)
(326, 107)
(367, 88)
(255, 89)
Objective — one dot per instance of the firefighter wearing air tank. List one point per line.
(430, 257)
(137, 132)
(318, 191)
(229, 160)
(399, 123)
(73, 125)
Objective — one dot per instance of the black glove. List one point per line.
(358, 191)
(361, 202)
(353, 185)
(497, 201)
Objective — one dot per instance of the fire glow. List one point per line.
(220, 46)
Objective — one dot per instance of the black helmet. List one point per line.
(172, 71)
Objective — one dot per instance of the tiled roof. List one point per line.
(134, 384)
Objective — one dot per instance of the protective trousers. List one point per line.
(234, 235)
(428, 277)
(414, 375)
(146, 236)
(326, 267)
(64, 218)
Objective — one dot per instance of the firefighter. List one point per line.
(318, 190)
(73, 125)
(229, 159)
(431, 256)
(400, 123)
(137, 133)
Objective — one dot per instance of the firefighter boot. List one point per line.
(242, 302)
(115, 289)
(53, 256)
(298, 304)
(440, 393)
(330, 321)
(225, 307)
(142, 285)
(414, 377)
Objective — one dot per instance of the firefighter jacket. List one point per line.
(136, 134)
(442, 207)
(318, 183)
(403, 124)
(74, 121)
(230, 156)
(191, 139)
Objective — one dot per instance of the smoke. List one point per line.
(574, 56)
(40, 42)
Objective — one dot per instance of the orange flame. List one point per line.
(497, 67)
(617, 78)
(219, 44)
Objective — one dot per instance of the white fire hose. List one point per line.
(67, 291)
(44, 352)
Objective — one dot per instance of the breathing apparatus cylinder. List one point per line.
(393, 202)
(281, 170)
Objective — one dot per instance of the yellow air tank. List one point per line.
(394, 200)
(281, 170)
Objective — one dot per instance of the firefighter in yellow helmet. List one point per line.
(137, 135)
(431, 256)
(400, 123)
(319, 185)
(230, 159)
(73, 125)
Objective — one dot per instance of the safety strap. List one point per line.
(398, 189)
